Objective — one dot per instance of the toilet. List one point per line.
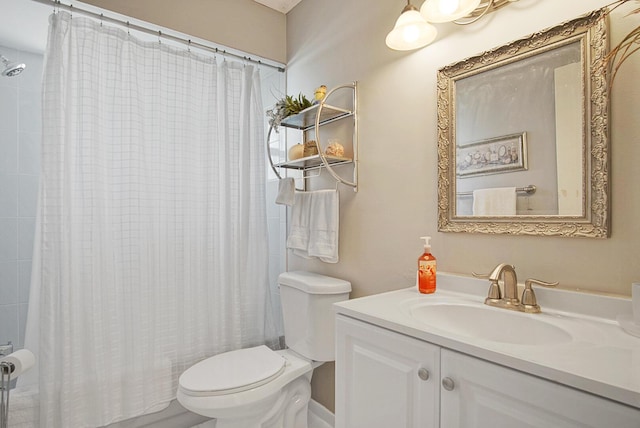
(261, 388)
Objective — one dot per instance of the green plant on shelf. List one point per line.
(286, 107)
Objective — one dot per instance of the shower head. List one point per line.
(11, 68)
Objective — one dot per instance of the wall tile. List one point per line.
(8, 108)
(26, 234)
(8, 150)
(30, 110)
(8, 283)
(27, 195)
(29, 153)
(8, 239)
(9, 330)
(8, 195)
(23, 310)
(24, 280)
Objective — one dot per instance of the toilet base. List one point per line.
(289, 410)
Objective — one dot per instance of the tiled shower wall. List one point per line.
(20, 131)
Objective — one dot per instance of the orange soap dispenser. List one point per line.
(427, 269)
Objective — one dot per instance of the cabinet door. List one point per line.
(488, 395)
(384, 379)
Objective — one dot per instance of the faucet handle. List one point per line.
(529, 301)
(480, 275)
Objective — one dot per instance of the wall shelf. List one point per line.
(313, 118)
(306, 119)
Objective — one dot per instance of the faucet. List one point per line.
(508, 272)
(510, 300)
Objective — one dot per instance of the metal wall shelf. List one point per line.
(313, 162)
(306, 119)
(313, 118)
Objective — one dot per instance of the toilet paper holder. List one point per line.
(5, 384)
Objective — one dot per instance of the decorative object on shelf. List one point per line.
(320, 93)
(626, 47)
(334, 148)
(310, 148)
(413, 29)
(286, 107)
(296, 152)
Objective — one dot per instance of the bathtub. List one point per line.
(23, 413)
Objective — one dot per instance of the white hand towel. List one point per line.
(286, 191)
(298, 239)
(315, 225)
(323, 226)
(498, 201)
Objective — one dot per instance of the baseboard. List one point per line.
(322, 412)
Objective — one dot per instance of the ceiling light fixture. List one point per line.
(447, 10)
(411, 30)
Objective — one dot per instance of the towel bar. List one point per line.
(528, 190)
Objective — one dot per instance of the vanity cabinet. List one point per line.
(380, 383)
(385, 379)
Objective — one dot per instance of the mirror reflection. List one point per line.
(521, 125)
(522, 129)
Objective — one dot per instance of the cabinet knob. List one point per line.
(423, 374)
(448, 384)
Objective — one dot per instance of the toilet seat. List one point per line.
(253, 399)
(232, 372)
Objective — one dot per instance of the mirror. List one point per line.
(523, 136)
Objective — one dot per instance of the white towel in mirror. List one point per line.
(497, 201)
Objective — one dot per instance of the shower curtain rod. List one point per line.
(188, 42)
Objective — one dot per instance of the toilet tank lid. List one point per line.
(314, 283)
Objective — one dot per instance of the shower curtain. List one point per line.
(152, 245)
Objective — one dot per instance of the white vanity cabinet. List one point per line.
(385, 379)
(484, 394)
(380, 383)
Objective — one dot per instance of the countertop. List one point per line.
(601, 359)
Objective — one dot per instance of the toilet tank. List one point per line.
(307, 309)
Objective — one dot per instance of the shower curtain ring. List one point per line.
(159, 37)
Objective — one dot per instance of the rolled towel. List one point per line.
(286, 191)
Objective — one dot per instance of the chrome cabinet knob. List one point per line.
(423, 374)
(448, 384)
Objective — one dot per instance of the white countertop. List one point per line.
(601, 359)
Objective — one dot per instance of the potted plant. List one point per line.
(285, 107)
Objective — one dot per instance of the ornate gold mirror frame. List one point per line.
(590, 32)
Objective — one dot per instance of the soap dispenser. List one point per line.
(427, 269)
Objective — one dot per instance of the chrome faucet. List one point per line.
(510, 300)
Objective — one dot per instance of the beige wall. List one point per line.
(240, 24)
(336, 41)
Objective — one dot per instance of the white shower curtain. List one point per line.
(152, 249)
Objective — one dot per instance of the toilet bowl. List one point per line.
(261, 388)
(233, 391)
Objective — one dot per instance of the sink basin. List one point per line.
(483, 322)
